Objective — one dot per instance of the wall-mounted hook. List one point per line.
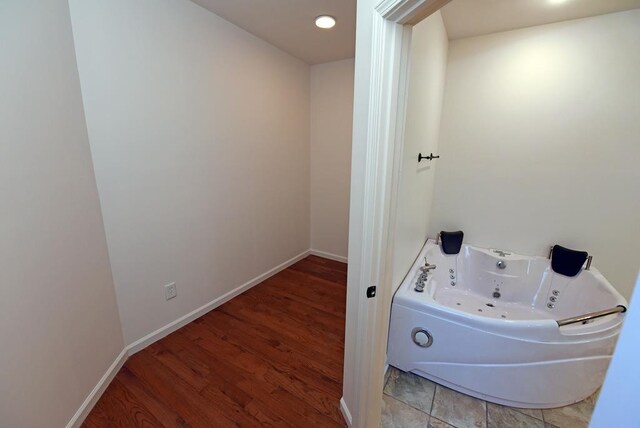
(430, 157)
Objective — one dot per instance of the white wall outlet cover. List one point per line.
(170, 291)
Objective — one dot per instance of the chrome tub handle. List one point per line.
(592, 315)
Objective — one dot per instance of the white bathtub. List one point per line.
(510, 349)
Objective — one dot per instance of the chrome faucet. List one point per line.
(420, 283)
(427, 267)
(423, 276)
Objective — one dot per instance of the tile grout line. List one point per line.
(486, 414)
(428, 414)
(523, 413)
(386, 381)
(449, 424)
(433, 403)
(409, 405)
(433, 399)
(402, 402)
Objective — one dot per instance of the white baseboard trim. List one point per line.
(346, 414)
(97, 391)
(147, 340)
(329, 256)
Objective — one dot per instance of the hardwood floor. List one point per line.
(270, 357)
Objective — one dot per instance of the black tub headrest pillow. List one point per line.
(566, 261)
(451, 241)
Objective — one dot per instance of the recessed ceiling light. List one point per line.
(557, 1)
(325, 21)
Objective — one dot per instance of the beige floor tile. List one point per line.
(437, 423)
(534, 413)
(459, 409)
(410, 389)
(387, 374)
(396, 414)
(506, 417)
(574, 416)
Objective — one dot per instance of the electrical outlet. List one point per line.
(170, 291)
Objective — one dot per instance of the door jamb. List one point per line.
(388, 93)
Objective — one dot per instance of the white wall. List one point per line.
(200, 138)
(331, 133)
(60, 329)
(424, 109)
(539, 141)
(618, 398)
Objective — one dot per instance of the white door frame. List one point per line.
(374, 217)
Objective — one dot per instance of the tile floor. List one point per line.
(411, 401)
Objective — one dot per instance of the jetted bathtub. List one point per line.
(486, 325)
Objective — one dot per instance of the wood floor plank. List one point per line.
(192, 406)
(123, 410)
(290, 331)
(140, 414)
(196, 378)
(272, 351)
(293, 410)
(271, 357)
(289, 310)
(326, 269)
(163, 412)
(98, 418)
(273, 371)
(310, 302)
(279, 350)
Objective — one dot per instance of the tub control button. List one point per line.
(450, 270)
(556, 292)
(550, 305)
(422, 337)
(553, 298)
